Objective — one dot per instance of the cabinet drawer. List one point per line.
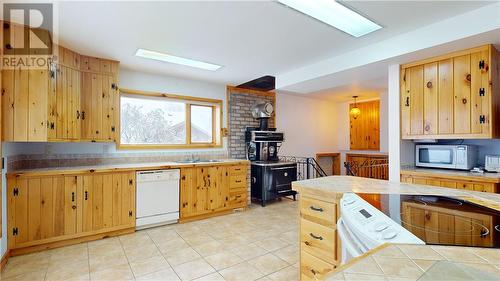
(237, 181)
(318, 240)
(238, 199)
(318, 211)
(312, 268)
(237, 170)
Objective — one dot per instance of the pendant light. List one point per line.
(355, 111)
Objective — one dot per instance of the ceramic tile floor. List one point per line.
(258, 244)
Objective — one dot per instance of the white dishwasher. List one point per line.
(157, 200)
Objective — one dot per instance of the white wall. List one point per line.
(309, 124)
(130, 80)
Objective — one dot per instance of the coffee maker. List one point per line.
(262, 142)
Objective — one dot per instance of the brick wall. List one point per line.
(240, 117)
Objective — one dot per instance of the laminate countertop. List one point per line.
(122, 167)
(329, 187)
(409, 262)
(451, 174)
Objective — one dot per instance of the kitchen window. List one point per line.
(157, 120)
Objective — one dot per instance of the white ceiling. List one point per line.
(249, 39)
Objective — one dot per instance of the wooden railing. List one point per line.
(367, 166)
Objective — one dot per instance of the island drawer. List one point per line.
(312, 268)
(318, 240)
(318, 211)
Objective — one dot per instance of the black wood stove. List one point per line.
(270, 178)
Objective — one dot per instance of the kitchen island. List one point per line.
(320, 245)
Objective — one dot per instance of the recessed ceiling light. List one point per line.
(334, 14)
(177, 60)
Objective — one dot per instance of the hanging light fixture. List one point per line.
(355, 111)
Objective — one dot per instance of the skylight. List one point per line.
(334, 14)
(177, 60)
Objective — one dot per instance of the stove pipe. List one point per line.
(262, 112)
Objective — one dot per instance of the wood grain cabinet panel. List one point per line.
(206, 190)
(365, 129)
(451, 96)
(450, 182)
(74, 98)
(50, 209)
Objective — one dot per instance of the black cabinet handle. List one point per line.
(78, 114)
(316, 209)
(83, 115)
(72, 197)
(238, 181)
(315, 237)
(86, 195)
(407, 101)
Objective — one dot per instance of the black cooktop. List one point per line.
(441, 220)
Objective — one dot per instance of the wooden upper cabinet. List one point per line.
(75, 98)
(100, 100)
(365, 129)
(451, 96)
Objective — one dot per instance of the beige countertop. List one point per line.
(411, 262)
(422, 262)
(451, 174)
(328, 187)
(122, 167)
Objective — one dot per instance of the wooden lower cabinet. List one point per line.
(319, 241)
(475, 185)
(48, 209)
(447, 226)
(206, 190)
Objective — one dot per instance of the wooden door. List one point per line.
(364, 130)
(86, 105)
(480, 96)
(446, 97)
(202, 189)
(73, 104)
(37, 117)
(108, 201)
(17, 194)
(215, 189)
(405, 102)
(128, 199)
(431, 98)
(462, 89)
(188, 192)
(416, 89)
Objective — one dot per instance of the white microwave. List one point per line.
(460, 157)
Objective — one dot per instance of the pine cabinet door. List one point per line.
(461, 88)
(416, 100)
(128, 190)
(431, 98)
(188, 192)
(445, 97)
(480, 93)
(86, 105)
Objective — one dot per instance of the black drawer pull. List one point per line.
(315, 237)
(316, 209)
(237, 169)
(238, 181)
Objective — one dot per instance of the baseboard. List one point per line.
(211, 214)
(4, 260)
(62, 243)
